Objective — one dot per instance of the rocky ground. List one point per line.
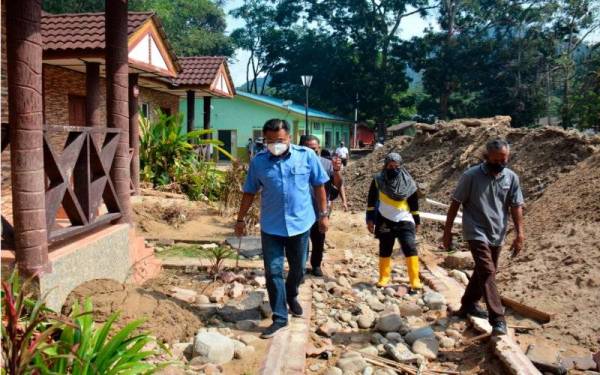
(560, 173)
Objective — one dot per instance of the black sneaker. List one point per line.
(316, 271)
(295, 308)
(499, 328)
(474, 310)
(273, 329)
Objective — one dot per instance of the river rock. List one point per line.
(434, 300)
(428, 347)
(400, 352)
(389, 322)
(333, 371)
(352, 364)
(213, 347)
(418, 333)
(408, 308)
(366, 320)
(460, 260)
(459, 276)
(447, 342)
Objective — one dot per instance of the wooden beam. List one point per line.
(117, 108)
(527, 311)
(191, 106)
(134, 132)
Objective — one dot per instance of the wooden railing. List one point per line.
(77, 164)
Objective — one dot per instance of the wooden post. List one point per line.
(206, 115)
(93, 117)
(191, 106)
(25, 115)
(134, 132)
(117, 106)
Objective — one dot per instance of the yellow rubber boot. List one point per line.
(412, 264)
(385, 271)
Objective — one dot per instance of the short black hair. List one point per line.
(275, 125)
(325, 153)
(311, 137)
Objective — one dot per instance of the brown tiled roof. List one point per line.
(81, 31)
(198, 70)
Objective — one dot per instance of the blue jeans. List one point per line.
(274, 249)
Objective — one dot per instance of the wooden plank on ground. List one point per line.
(505, 347)
(512, 357)
(287, 350)
(527, 311)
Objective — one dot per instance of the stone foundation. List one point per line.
(114, 252)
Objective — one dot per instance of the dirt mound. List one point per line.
(438, 159)
(559, 272)
(167, 319)
(560, 175)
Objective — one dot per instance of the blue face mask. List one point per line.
(392, 173)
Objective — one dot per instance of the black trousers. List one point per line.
(317, 240)
(388, 231)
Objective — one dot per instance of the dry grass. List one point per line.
(231, 195)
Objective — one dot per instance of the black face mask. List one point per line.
(392, 173)
(495, 167)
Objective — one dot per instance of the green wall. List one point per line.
(245, 116)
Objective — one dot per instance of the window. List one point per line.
(145, 109)
(316, 126)
(256, 133)
(337, 138)
(166, 110)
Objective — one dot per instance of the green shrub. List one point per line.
(27, 328)
(169, 155)
(84, 349)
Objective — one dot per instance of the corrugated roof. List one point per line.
(296, 108)
(199, 70)
(401, 126)
(80, 31)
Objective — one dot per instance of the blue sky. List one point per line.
(412, 26)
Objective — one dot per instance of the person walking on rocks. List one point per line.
(285, 177)
(487, 192)
(333, 168)
(393, 213)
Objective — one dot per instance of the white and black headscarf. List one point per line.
(400, 187)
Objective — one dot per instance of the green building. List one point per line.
(235, 120)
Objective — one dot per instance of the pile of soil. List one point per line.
(438, 160)
(164, 215)
(560, 174)
(165, 318)
(559, 272)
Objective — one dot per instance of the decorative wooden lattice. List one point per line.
(78, 177)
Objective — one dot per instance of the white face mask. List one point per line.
(277, 148)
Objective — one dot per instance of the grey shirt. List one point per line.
(486, 200)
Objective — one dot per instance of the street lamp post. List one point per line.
(306, 81)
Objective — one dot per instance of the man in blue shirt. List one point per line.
(285, 176)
